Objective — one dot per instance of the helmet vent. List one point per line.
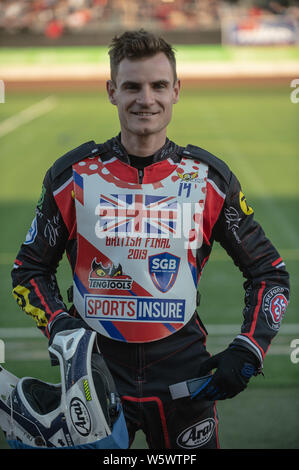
(69, 343)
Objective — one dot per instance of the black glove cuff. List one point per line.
(247, 356)
(62, 323)
(66, 322)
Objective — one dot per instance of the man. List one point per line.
(137, 217)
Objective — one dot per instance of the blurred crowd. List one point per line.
(54, 18)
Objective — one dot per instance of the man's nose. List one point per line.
(145, 96)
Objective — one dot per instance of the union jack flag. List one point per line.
(137, 214)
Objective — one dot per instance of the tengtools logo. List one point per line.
(108, 277)
(197, 435)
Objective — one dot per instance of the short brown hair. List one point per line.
(134, 45)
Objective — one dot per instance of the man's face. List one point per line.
(144, 94)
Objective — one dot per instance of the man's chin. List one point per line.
(144, 131)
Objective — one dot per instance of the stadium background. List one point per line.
(238, 62)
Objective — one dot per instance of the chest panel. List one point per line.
(135, 278)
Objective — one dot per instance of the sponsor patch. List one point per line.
(197, 435)
(108, 276)
(188, 177)
(274, 307)
(243, 204)
(163, 269)
(32, 232)
(134, 308)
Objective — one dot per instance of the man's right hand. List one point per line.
(63, 323)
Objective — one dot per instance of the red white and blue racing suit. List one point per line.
(137, 233)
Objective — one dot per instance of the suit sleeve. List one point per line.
(34, 273)
(267, 281)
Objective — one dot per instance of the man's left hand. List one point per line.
(235, 366)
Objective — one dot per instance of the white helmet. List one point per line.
(83, 411)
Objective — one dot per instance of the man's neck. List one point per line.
(142, 146)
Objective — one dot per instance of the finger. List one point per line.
(208, 365)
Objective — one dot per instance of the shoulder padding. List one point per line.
(197, 153)
(88, 149)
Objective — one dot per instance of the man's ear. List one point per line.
(111, 87)
(176, 91)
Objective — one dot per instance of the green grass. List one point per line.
(186, 53)
(255, 131)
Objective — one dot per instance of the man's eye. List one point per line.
(159, 85)
(132, 86)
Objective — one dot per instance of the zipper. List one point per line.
(140, 175)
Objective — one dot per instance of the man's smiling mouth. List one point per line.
(143, 114)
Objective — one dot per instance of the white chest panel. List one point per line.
(135, 278)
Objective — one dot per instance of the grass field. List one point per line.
(256, 131)
(185, 53)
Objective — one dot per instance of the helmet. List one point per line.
(83, 411)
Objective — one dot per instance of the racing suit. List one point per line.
(143, 369)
